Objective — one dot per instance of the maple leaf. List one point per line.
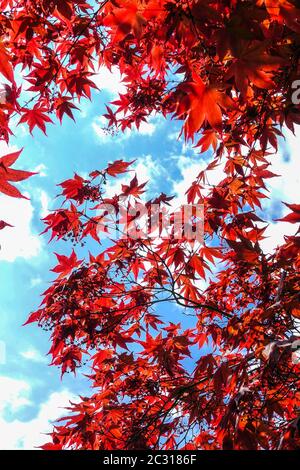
(33, 317)
(51, 446)
(136, 266)
(193, 192)
(110, 116)
(4, 224)
(73, 187)
(244, 251)
(208, 139)
(126, 17)
(66, 264)
(254, 65)
(198, 264)
(5, 65)
(296, 312)
(78, 83)
(294, 216)
(118, 167)
(63, 105)
(290, 15)
(35, 117)
(10, 174)
(101, 356)
(272, 6)
(64, 12)
(133, 189)
(201, 102)
(157, 58)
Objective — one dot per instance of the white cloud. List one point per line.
(173, 136)
(5, 149)
(148, 128)
(33, 355)
(286, 164)
(274, 234)
(14, 394)
(17, 434)
(45, 203)
(190, 168)
(17, 241)
(99, 127)
(40, 169)
(109, 81)
(284, 188)
(35, 281)
(146, 169)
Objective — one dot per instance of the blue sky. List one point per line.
(31, 392)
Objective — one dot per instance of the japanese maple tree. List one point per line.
(225, 69)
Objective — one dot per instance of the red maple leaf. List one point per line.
(4, 224)
(5, 65)
(118, 167)
(36, 117)
(294, 216)
(66, 264)
(201, 103)
(8, 174)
